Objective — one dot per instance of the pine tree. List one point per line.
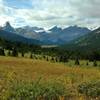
(31, 56)
(87, 63)
(60, 59)
(2, 53)
(52, 59)
(47, 59)
(77, 61)
(22, 54)
(56, 59)
(14, 52)
(65, 59)
(44, 57)
(9, 53)
(95, 63)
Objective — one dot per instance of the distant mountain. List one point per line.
(29, 29)
(90, 41)
(74, 32)
(16, 38)
(53, 36)
(8, 27)
(29, 32)
(55, 29)
(60, 36)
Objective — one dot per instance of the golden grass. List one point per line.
(28, 70)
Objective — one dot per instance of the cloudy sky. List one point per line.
(47, 13)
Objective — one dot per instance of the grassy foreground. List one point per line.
(28, 79)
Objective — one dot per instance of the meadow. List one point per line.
(34, 79)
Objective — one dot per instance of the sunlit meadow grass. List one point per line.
(15, 71)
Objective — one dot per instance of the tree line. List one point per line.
(56, 54)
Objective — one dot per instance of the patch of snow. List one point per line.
(48, 31)
(37, 31)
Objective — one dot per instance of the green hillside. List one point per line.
(88, 42)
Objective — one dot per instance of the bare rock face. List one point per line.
(8, 27)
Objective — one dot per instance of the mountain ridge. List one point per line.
(90, 41)
(52, 36)
(56, 35)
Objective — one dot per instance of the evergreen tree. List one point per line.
(9, 53)
(60, 59)
(87, 63)
(47, 59)
(52, 59)
(44, 57)
(22, 54)
(2, 53)
(94, 63)
(14, 52)
(56, 59)
(31, 56)
(65, 59)
(77, 61)
(36, 57)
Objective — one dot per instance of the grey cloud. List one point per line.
(57, 12)
(86, 8)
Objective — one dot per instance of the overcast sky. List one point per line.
(48, 13)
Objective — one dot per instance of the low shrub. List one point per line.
(38, 91)
(90, 89)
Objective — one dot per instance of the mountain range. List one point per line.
(88, 42)
(72, 37)
(53, 36)
(9, 33)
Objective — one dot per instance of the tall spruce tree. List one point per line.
(94, 63)
(2, 52)
(14, 52)
(31, 55)
(77, 61)
(22, 54)
(9, 53)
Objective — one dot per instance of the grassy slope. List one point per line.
(29, 69)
